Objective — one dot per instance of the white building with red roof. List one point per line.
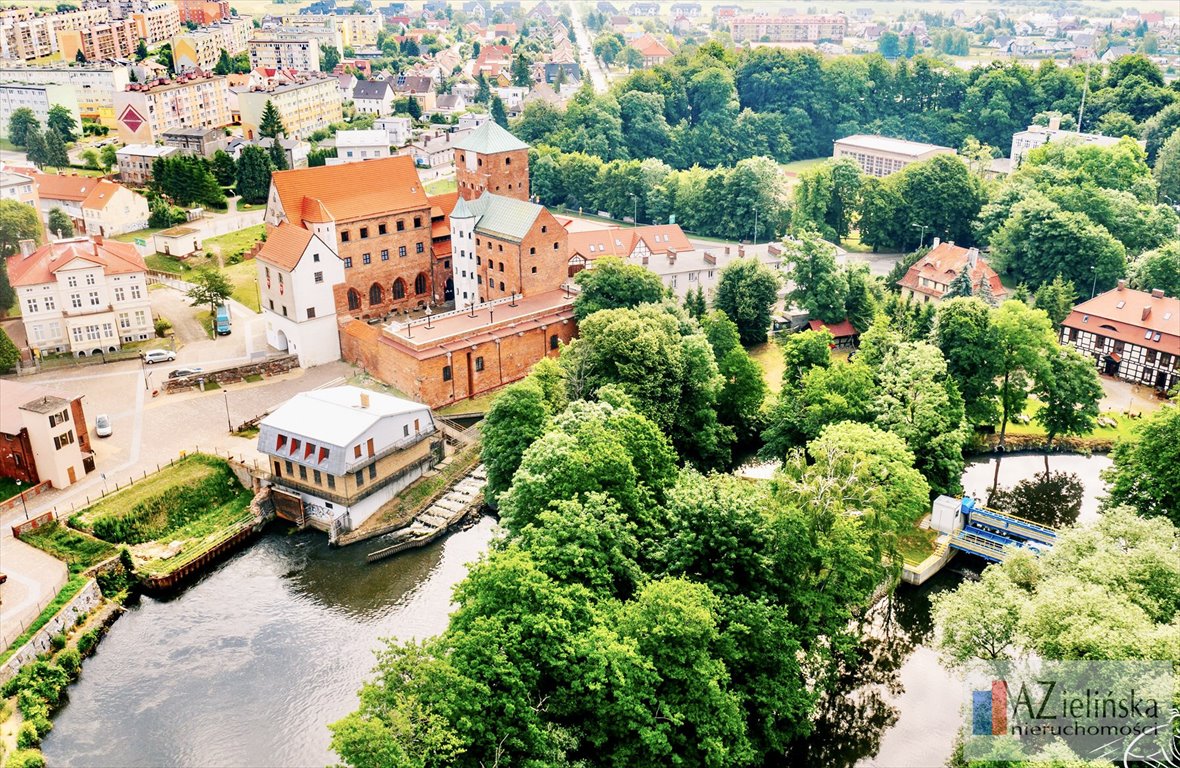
(84, 295)
(1134, 335)
(930, 277)
(653, 51)
(96, 206)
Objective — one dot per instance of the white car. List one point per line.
(102, 425)
(158, 356)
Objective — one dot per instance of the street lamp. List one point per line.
(228, 422)
(635, 215)
(922, 237)
(755, 226)
(1094, 282)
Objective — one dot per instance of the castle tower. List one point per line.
(492, 160)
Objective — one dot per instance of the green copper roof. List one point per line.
(490, 138)
(503, 217)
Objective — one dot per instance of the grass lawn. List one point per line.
(187, 472)
(852, 243)
(244, 277)
(79, 550)
(142, 234)
(917, 545)
(242, 205)
(1122, 431)
(769, 357)
(440, 186)
(9, 488)
(479, 404)
(71, 588)
(798, 166)
(201, 534)
(234, 242)
(161, 263)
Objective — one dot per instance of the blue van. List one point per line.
(224, 325)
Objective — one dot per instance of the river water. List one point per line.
(248, 665)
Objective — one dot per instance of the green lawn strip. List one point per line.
(769, 357)
(72, 587)
(200, 535)
(798, 166)
(917, 545)
(186, 472)
(79, 550)
(1123, 430)
(162, 263)
(233, 242)
(440, 186)
(478, 404)
(244, 278)
(10, 488)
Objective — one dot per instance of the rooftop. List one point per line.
(1136, 317)
(337, 416)
(503, 217)
(489, 139)
(41, 265)
(351, 190)
(461, 328)
(146, 150)
(896, 146)
(284, 245)
(362, 138)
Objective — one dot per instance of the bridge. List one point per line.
(992, 535)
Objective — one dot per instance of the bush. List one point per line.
(42, 725)
(25, 758)
(87, 642)
(71, 661)
(162, 326)
(27, 736)
(58, 641)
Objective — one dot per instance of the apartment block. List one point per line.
(276, 50)
(157, 22)
(38, 98)
(200, 49)
(93, 85)
(881, 155)
(135, 161)
(203, 11)
(114, 40)
(145, 111)
(788, 29)
(356, 30)
(27, 35)
(304, 106)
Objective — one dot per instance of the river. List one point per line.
(248, 665)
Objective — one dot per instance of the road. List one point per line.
(585, 44)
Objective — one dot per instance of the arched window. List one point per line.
(376, 295)
(354, 299)
(420, 283)
(553, 341)
(399, 289)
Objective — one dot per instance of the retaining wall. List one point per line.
(82, 604)
(271, 367)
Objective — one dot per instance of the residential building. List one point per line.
(1133, 335)
(146, 111)
(83, 295)
(1039, 135)
(201, 48)
(418, 87)
(308, 104)
(43, 435)
(26, 35)
(95, 206)
(397, 129)
(688, 10)
(788, 29)
(295, 150)
(449, 104)
(113, 40)
(644, 9)
(39, 98)
(202, 142)
(490, 159)
(135, 161)
(346, 82)
(355, 146)
(373, 97)
(469, 121)
(881, 155)
(19, 187)
(93, 85)
(931, 276)
(280, 51)
(203, 12)
(844, 334)
(434, 149)
(297, 271)
(158, 21)
(356, 30)
(338, 455)
(653, 51)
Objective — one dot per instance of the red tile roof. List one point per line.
(1130, 316)
(649, 46)
(102, 194)
(621, 241)
(838, 330)
(68, 187)
(284, 245)
(39, 266)
(351, 190)
(943, 264)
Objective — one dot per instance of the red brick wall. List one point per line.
(18, 446)
(536, 251)
(79, 418)
(504, 173)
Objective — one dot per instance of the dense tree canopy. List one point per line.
(746, 293)
(1146, 471)
(615, 284)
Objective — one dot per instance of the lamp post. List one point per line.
(1094, 282)
(635, 215)
(755, 226)
(922, 236)
(228, 422)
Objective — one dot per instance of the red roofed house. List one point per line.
(96, 206)
(930, 278)
(85, 296)
(843, 334)
(653, 51)
(1134, 335)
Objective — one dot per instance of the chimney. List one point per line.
(972, 257)
(935, 242)
(27, 247)
(1146, 312)
(98, 239)
(364, 399)
(1157, 293)
(1055, 123)
(1122, 285)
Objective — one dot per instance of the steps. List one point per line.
(436, 519)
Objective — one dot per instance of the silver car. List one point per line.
(102, 425)
(158, 356)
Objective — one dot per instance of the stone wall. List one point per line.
(82, 604)
(271, 367)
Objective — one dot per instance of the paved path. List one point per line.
(33, 581)
(585, 49)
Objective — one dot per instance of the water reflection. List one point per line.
(1049, 498)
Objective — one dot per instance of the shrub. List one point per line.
(71, 661)
(42, 725)
(87, 642)
(25, 758)
(162, 326)
(27, 736)
(58, 641)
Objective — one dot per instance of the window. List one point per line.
(364, 233)
(332, 482)
(90, 278)
(94, 298)
(354, 299)
(479, 363)
(373, 471)
(508, 161)
(534, 270)
(405, 430)
(315, 257)
(501, 285)
(501, 265)
(316, 476)
(135, 291)
(50, 304)
(533, 251)
(32, 305)
(318, 277)
(385, 254)
(278, 469)
(553, 341)
(501, 245)
(72, 281)
(348, 262)
(401, 225)
(356, 451)
(366, 258)
(544, 229)
(401, 251)
(369, 446)
(399, 289)
(555, 245)
(360, 477)
(420, 283)
(119, 293)
(446, 373)
(417, 221)
(345, 236)
(420, 248)
(290, 467)
(382, 229)
(302, 472)
(310, 313)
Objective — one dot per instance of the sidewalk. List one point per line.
(34, 579)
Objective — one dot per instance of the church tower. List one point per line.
(490, 159)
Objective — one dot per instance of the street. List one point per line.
(585, 44)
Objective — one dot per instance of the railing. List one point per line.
(368, 489)
(198, 548)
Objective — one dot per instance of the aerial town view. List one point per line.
(578, 383)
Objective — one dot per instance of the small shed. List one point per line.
(844, 335)
(178, 242)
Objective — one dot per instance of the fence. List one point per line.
(23, 497)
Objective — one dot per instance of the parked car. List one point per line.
(153, 356)
(182, 372)
(102, 425)
(224, 324)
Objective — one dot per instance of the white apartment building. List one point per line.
(881, 155)
(93, 85)
(27, 35)
(1039, 135)
(82, 295)
(397, 129)
(145, 111)
(281, 51)
(296, 271)
(39, 98)
(374, 97)
(356, 30)
(200, 49)
(355, 146)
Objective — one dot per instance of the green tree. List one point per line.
(224, 65)
(522, 75)
(1024, 338)
(60, 223)
(224, 169)
(739, 404)
(1057, 299)
(498, 112)
(270, 125)
(62, 122)
(694, 303)
(1158, 269)
(1146, 470)
(55, 151)
(329, 58)
(36, 147)
(483, 91)
(107, 157)
(615, 284)
(889, 45)
(278, 157)
(413, 108)
(747, 292)
(963, 332)
(1070, 394)
(254, 170)
(80, 56)
(960, 286)
(9, 354)
(804, 351)
(210, 286)
(1167, 170)
(817, 283)
(141, 50)
(20, 122)
(90, 159)
(826, 395)
(17, 222)
(517, 417)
